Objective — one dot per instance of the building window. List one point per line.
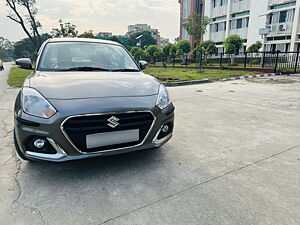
(270, 19)
(239, 23)
(186, 8)
(185, 35)
(273, 48)
(279, 38)
(219, 18)
(282, 17)
(217, 27)
(218, 3)
(287, 47)
(199, 6)
(246, 13)
(284, 5)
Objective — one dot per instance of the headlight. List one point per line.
(33, 103)
(163, 99)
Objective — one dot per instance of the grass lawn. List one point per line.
(17, 76)
(193, 74)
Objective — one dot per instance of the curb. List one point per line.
(258, 70)
(205, 81)
(184, 83)
(250, 76)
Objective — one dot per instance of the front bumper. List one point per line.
(27, 127)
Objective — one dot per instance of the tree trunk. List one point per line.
(232, 59)
(35, 39)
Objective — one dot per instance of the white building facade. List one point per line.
(273, 22)
(241, 17)
(282, 31)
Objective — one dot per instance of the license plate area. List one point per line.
(112, 138)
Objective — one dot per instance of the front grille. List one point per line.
(77, 128)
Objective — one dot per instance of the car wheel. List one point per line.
(18, 150)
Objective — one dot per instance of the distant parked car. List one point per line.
(88, 98)
(1, 66)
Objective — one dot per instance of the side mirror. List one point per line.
(143, 64)
(24, 63)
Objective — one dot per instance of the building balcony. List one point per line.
(219, 11)
(242, 32)
(217, 36)
(240, 6)
(276, 2)
(280, 29)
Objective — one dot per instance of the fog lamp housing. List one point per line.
(165, 130)
(39, 143)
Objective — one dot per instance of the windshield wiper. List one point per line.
(86, 68)
(125, 70)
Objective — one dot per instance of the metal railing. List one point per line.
(280, 62)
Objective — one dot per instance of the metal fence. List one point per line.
(280, 62)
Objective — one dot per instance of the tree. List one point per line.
(24, 13)
(255, 47)
(25, 48)
(115, 39)
(208, 47)
(152, 51)
(87, 34)
(137, 52)
(232, 45)
(184, 46)
(167, 48)
(146, 40)
(6, 49)
(196, 25)
(173, 51)
(64, 30)
(179, 52)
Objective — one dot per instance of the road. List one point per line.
(234, 159)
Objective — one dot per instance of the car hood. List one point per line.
(78, 85)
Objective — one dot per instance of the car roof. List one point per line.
(90, 40)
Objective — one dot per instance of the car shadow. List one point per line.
(116, 165)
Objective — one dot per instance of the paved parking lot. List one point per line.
(234, 159)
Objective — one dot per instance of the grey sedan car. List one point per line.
(89, 98)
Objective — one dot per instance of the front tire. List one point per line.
(18, 150)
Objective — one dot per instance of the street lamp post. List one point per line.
(139, 38)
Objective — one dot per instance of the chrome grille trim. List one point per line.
(108, 113)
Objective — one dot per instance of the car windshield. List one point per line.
(85, 56)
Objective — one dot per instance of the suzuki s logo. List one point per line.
(113, 122)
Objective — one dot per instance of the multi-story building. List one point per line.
(241, 17)
(282, 30)
(144, 27)
(188, 7)
(104, 34)
(274, 22)
(164, 41)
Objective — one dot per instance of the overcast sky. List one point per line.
(100, 15)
